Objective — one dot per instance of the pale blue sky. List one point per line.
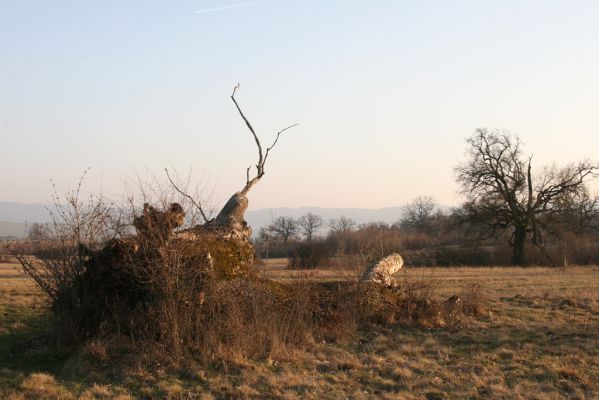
(385, 92)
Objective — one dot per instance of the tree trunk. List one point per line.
(518, 252)
(233, 215)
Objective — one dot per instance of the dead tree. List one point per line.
(232, 215)
(157, 224)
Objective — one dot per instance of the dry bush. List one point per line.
(417, 303)
(311, 255)
(375, 240)
(60, 258)
(242, 318)
(251, 318)
(168, 285)
(473, 300)
(196, 293)
(174, 302)
(184, 299)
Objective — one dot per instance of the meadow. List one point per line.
(538, 338)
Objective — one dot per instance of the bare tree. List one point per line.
(342, 224)
(502, 194)
(418, 213)
(266, 237)
(38, 232)
(309, 224)
(579, 216)
(579, 213)
(232, 214)
(284, 228)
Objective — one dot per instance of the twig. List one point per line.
(186, 195)
(261, 155)
(251, 128)
(275, 142)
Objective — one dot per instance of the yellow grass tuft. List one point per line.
(535, 339)
(45, 386)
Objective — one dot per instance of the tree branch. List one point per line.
(274, 143)
(261, 156)
(186, 195)
(251, 128)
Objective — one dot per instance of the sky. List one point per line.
(385, 93)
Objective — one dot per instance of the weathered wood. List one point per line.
(382, 270)
(232, 215)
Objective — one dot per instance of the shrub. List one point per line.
(311, 255)
(196, 294)
(61, 256)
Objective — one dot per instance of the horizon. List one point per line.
(385, 94)
(20, 216)
(263, 209)
(162, 161)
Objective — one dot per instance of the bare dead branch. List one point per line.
(262, 156)
(187, 196)
(251, 128)
(274, 143)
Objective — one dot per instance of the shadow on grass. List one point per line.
(28, 344)
(517, 350)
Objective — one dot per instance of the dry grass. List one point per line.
(538, 339)
(278, 269)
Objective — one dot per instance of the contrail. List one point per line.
(207, 10)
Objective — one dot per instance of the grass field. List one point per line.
(538, 339)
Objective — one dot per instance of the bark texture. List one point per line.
(382, 270)
(232, 216)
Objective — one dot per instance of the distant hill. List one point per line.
(15, 215)
(14, 218)
(259, 218)
(23, 212)
(12, 230)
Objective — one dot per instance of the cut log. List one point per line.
(382, 270)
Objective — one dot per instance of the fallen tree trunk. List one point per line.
(381, 271)
(130, 275)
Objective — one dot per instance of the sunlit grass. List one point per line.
(537, 340)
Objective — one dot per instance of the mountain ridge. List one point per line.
(15, 216)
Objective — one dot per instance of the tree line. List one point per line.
(512, 214)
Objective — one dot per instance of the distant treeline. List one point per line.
(512, 214)
(423, 235)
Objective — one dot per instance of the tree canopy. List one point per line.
(503, 194)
